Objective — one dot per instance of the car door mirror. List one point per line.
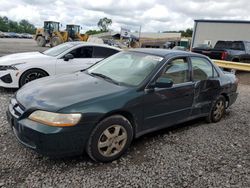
(164, 82)
(68, 57)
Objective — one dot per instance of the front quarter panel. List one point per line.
(94, 111)
(47, 65)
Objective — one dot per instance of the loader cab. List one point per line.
(50, 27)
(73, 30)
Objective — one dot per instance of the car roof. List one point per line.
(81, 43)
(165, 52)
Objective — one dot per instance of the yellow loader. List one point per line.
(51, 34)
(74, 33)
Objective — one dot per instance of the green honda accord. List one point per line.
(99, 111)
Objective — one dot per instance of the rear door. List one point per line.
(206, 85)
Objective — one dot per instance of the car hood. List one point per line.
(58, 92)
(21, 58)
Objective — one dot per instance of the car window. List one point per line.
(177, 71)
(130, 68)
(237, 45)
(55, 51)
(82, 52)
(202, 69)
(248, 47)
(102, 52)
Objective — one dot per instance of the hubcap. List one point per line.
(33, 76)
(112, 140)
(219, 109)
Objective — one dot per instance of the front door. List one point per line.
(83, 58)
(168, 106)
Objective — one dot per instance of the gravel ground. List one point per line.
(9, 46)
(194, 154)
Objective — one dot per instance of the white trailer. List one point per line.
(210, 31)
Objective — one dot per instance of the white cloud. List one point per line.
(154, 15)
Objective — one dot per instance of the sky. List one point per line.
(151, 15)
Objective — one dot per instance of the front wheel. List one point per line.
(41, 42)
(110, 139)
(218, 110)
(55, 41)
(31, 75)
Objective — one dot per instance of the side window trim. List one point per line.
(210, 63)
(109, 51)
(186, 59)
(82, 47)
(162, 68)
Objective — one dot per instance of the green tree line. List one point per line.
(184, 33)
(7, 25)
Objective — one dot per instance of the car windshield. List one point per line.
(129, 68)
(55, 51)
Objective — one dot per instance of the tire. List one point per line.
(41, 42)
(55, 41)
(110, 139)
(217, 111)
(31, 75)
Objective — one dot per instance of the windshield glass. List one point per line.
(55, 51)
(129, 68)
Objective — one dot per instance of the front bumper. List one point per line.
(48, 140)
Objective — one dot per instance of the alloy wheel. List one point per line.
(112, 140)
(219, 110)
(33, 76)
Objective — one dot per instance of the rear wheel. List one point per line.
(41, 42)
(218, 110)
(55, 41)
(110, 139)
(31, 75)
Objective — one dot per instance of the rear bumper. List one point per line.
(48, 140)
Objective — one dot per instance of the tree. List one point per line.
(26, 27)
(7, 25)
(104, 23)
(4, 26)
(92, 32)
(187, 33)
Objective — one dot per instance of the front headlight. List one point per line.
(11, 67)
(55, 119)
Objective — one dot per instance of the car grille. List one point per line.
(16, 109)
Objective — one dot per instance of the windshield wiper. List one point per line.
(105, 77)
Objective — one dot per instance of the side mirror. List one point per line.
(164, 83)
(68, 57)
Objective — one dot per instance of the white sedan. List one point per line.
(18, 69)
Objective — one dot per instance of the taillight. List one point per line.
(224, 55)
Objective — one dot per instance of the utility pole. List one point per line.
(139, 36)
